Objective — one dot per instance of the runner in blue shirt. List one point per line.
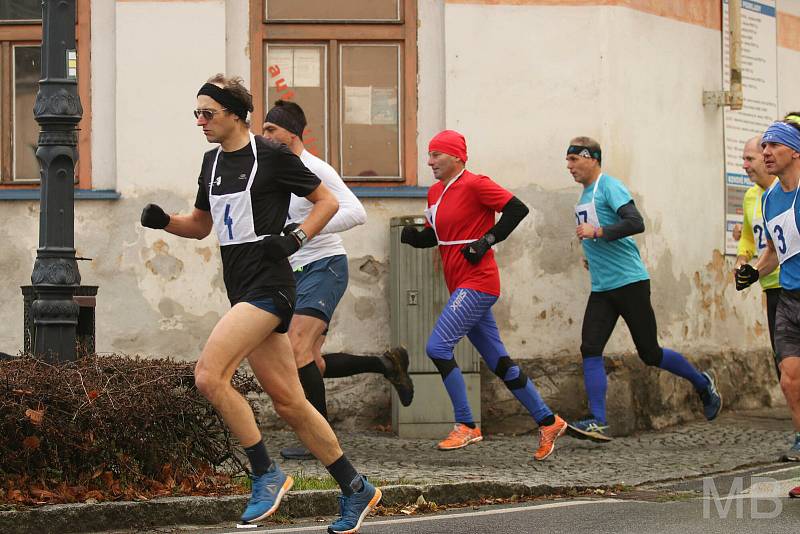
(606, 218)
(781, 150)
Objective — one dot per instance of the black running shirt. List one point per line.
(248, 274)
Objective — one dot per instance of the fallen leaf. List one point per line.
(36, 416)
(43, 493)
(108, 479)
(31, 442)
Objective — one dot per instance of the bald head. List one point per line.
(753, 163)
(753, 142)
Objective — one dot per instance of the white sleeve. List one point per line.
(351, 213)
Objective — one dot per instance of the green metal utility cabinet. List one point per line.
(418, 294)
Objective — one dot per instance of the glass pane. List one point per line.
(298, 73)
(369, 110)
(27, 71)
(327, 10)
(20, 9)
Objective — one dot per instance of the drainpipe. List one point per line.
(733, 97)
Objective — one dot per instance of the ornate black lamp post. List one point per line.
(58, 111)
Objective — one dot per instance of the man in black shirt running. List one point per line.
(243, 196)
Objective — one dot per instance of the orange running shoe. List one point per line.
(461, 436)
(547, 438)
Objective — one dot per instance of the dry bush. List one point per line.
(106, 420)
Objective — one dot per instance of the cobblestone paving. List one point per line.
(734, 440)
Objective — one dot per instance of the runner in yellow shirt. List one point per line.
(753, 241)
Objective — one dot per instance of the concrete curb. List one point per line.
(68, 518)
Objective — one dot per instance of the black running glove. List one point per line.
(745, 275)
(278, 247)
(154, 217)
(477, 249)
(289, 228)
(425, 238)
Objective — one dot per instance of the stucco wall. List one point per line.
(518, 80)
(634, 81)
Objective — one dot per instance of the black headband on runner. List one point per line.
(584, 151)
(284, 118)
(226, 99)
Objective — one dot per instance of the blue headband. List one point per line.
(782, 133)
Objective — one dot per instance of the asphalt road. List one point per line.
(745, 502)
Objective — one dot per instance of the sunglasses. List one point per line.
(207, 114)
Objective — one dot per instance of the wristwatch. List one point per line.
(300, 235)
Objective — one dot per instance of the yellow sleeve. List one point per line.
(747, 243)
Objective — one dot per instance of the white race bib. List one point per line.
(233, 213)
(783, 230)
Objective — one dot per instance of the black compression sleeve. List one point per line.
(631, 223)
(512, 213)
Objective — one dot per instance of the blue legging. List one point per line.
(469, 313)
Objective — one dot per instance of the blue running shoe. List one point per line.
(590, 428)
(353, 509)
(268, 490)
(712, 400)
(793, 454)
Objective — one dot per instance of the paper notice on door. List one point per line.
(283, 58)
(306, 67)
(384, 105)
(357, 105)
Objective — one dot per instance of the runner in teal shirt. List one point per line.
(617, 263)
(606, 218)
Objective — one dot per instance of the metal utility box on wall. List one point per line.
(418, 294)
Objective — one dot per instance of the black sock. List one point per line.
(314, 387)
(547, 421)
(470, 424)
(340, 364)
(259, 459)
(345, 475)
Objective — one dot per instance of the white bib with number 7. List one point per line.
(783, 230)
(586, 213)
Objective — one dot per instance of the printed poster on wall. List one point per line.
(760, 109)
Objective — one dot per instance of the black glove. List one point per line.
(424, 238)
(290, 227)
(745, 275)
(154, 217)
(278, 247)
(409, 235)
(475, 251)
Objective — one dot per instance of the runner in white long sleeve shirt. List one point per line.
(320, 269)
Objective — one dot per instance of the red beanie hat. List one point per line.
(449, 142)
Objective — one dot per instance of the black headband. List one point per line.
(584, 151)
(284, 118)
(226, 99)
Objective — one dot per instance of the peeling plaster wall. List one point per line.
(519, 81)
(633, 81)
(160, 294)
